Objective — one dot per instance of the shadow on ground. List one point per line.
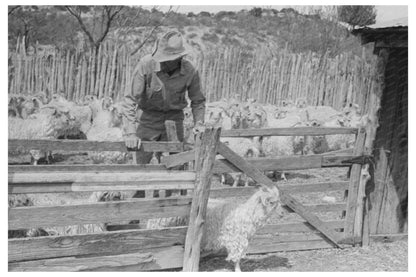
(261, 264)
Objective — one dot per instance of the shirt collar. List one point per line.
(157, 67)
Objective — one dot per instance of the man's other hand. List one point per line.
(199, 127)
(132, 141)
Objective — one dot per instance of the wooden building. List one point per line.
(387, 192)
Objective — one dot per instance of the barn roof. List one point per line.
(391, 34)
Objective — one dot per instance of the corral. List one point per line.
(71, 215)
(134, 249)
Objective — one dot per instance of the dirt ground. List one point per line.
(377, 257)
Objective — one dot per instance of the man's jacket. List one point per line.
(158, 95)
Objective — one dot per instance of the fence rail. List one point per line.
(85, 145)
(230, 73)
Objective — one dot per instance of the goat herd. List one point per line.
(37, 117)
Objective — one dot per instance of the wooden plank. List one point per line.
(106, 243)
(366, 225)
(149, 177)
(178, 159)
(353, 186)
(273, 239)
(171, 133)
(101, 212)
(205, 152)
(87, 168)
(321, 208)
(288, 246)
(359, 215)
(348, 151)
(338, 160)
(151, 259)
(96, 186)
(388, 237)
(293, 131)
(295, 205)
(298, 189)
(284, 163)
(84, 145)
(296, 227)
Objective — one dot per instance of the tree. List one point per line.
(43, 24)
(103, 17)
(203, 13)
(256, 12)
(357, 15)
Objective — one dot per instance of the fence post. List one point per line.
(353, 189)
(172, 136)
(205, 152)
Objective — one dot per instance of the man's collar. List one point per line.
(157, 67)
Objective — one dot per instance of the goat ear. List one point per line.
(264, 198)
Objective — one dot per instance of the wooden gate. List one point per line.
(312, 233)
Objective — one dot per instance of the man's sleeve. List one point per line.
(197, 98)
(131, 99)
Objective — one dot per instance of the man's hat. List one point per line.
(169, 47)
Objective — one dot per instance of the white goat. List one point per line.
(231, 225)
(49, 123)
(107, 127)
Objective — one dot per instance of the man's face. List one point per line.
(170, 66)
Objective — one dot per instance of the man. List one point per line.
(158, 88)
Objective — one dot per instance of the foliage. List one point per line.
(210, 37)
(357, 15)
(287, 28)
(256, 12)
(45, 25)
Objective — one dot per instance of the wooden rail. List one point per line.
(343, 159)
(41, 216)
(87, 168)
(160, 258)
(288, 163)
(106, 243)
(296, 227)
(293, 131)
(94, 186)
(150, 177)
(86, 145)
(293, 189)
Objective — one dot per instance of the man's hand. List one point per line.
(132, 141)
(198, 128)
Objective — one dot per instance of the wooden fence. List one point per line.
(126, 250)
(311, 233)
(228, 73)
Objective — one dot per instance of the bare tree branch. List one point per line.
(110, 17)
(13, 8)
(151, 32)
(77, 14)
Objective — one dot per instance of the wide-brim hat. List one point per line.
(169, 47)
